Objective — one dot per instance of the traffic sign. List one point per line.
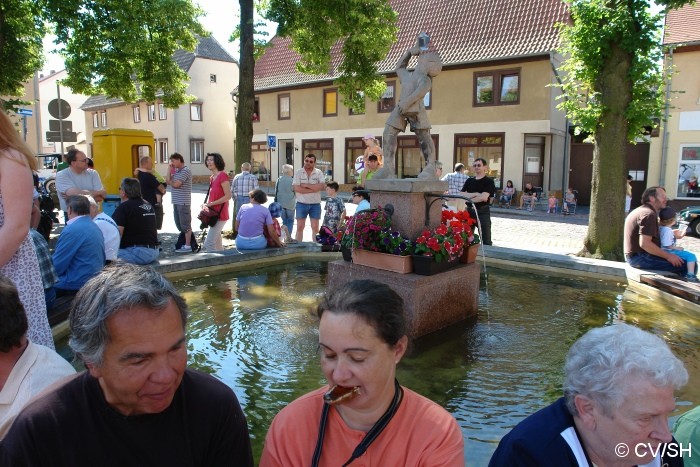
(272, 141)
(25, 112)
(55, 137)
(55, 125)
(54, 108)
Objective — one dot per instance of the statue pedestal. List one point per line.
(430, 302)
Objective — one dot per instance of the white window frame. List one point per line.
(162, 112)
(103, 118)
(136, 110)
(95, 120)
(151, 108)
(196, 151)
(196, 112)
(163, 150)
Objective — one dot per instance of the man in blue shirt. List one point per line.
(80, 252)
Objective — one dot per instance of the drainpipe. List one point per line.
(667, 104)
(177, 130)
(37, 113)
(567, 148)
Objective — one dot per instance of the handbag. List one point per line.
(208, 216)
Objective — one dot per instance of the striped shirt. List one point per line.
(455, 182)
(183, 194)
(244, 183)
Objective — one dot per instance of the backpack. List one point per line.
(325, 236)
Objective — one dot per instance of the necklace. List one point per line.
(371, 435)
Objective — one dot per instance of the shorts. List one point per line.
(311, 210)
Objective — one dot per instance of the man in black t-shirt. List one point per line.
(480, 189)
(137, 403)
(151, 189)
(136, 220)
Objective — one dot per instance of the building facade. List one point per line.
(205, 125)
(493, 99)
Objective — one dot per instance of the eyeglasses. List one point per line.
(355, 195)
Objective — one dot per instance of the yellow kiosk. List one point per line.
(116, 153)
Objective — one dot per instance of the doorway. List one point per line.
(285, 154)
(533, 172)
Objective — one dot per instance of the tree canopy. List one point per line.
(366, 29)
(120, 49)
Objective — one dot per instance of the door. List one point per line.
(534, 161)
(285, 154)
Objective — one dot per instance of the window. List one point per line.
(136, 110)
(489, 146)
(497, 87)
(162, 112)
(323, 149)
(388, 100)
(409, 157)
(151, 112)
(196, 112)
(95, 120)
(196, 151)
(283, 104)
(103, 116)
(212, 79)
(256, 110)
(361, 95)
(689, 171)
(163, 151)
(330, 102)
(259, 155)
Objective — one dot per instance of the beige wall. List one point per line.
(685, 106)
(451, 113)
(217, 127)
(33, 123)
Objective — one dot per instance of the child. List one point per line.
(335, 208)
(275, 209)
(569, 201)
(552, 207)
(667, 236)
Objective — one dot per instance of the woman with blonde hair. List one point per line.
(18, 260)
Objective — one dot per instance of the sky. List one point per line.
(221, 19)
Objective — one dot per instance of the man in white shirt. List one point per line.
(109, 229)
(26, 368)
(308, 183)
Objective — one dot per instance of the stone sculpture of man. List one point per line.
(414, 86)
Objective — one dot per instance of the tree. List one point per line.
(21, 35)
(120, 49)
(612, 90)
(246, 94)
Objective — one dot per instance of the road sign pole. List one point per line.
(24, 127)
(60, 115)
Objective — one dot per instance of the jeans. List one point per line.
(311, 210)
(251, 243)
(484, 216)
(646, 261)
(288, 219)
(138, 255)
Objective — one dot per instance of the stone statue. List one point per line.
(414, 86)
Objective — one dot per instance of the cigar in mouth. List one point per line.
(339, 394)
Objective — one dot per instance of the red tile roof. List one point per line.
(462, 31)
(683, 25)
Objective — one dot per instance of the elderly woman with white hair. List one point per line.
(285, 195)
(618, 394)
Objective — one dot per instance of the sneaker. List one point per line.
(691, 278)
(184, 249)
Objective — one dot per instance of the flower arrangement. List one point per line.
(371, 230)
(447, 241)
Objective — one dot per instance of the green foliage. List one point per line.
(123, 48)
(21, 34)
(366, 29)
(599, 26)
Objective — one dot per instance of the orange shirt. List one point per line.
(421, 434)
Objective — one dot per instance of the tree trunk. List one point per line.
(246, 94)
(606, 221)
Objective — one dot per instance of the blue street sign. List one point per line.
(272, 142)
(27, 112)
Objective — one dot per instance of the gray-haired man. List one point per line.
(136, 404)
